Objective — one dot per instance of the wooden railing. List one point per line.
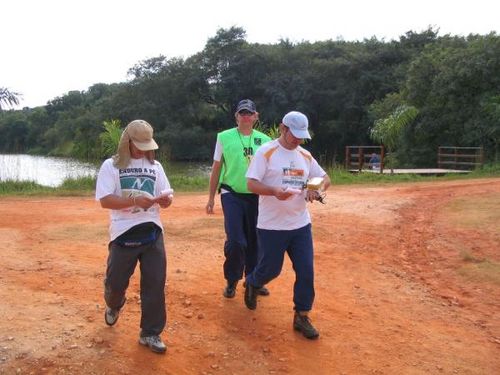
(451, 157)
(358, 157)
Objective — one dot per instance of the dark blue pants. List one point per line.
(240, 220)
(121, 265)
(272, 247)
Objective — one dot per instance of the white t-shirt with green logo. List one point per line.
(139, 178)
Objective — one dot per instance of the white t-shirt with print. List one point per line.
(139, 178)
(274, 165)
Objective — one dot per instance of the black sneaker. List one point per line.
(230, 289)
(302, 323)
(251, 296)
(111, 316)
(262, 291)
(154, 343)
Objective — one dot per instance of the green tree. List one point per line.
(13, 131)
(343, 88)
(148, 68)
(388, 131)
(219, 61)
(454, 83)
(491, 108)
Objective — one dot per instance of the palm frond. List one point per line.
(8, 98)
(110, 138)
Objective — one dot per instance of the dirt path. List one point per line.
(407, 282)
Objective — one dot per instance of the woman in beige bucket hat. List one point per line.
(133, 186)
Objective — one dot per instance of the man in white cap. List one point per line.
(133, 186)
(278, 172)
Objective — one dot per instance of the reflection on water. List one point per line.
(190, 169)
(52, 172)
(43, 170)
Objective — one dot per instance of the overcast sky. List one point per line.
(50, 47)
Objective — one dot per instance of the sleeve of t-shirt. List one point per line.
(257, 167)
(218, 150)
(106, 182)
(162, 182)
(316, 170)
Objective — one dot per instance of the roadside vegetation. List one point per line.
(199, 183)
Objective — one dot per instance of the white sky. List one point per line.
(50, 47)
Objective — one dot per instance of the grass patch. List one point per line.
(468, 257)
(487, 170)
(78, 184)
(188, 183)
(10, 187)
(480, 212)
(481, 270)
(340, 176)
(70, 186)
(86, 186)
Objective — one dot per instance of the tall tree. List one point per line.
(218, 59)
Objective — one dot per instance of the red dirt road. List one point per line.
(407, 282)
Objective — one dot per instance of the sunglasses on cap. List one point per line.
(245, 112)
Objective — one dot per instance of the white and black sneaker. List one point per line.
(154, 343)
(111, 316)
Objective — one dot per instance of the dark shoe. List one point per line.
(154, 343)
(302, 323)
(262, 291)
(230, 289)
(251, 296)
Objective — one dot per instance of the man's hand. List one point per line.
(312, 195)
(210, 207)
(315, 195)
(282, 194)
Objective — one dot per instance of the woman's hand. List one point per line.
(165, 200)
(144, 202)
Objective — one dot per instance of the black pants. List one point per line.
(240, 221)
(153, 263)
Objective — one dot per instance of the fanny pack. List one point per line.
(139, 235)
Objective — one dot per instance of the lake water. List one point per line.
(49, 171)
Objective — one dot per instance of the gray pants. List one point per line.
(153, 263)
